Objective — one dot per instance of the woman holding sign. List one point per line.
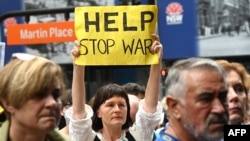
(110, 112)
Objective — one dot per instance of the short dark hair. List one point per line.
(134, 88)
(104, 93)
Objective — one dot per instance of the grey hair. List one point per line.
(176, 80)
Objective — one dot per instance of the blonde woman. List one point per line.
(30, 88)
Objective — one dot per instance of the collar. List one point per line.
(167, 137)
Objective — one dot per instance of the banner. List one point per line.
(116, 35)
(204, 28)
(177, 28)
(38, 33)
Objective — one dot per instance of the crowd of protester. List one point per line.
(202, 95)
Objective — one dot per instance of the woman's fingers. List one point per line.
(77, 43)
(75, 52)
(156, 37)
(156, 47)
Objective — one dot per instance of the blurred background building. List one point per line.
(214, 14)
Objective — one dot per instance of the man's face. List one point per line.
(204, 112)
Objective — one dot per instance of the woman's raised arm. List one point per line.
(78, 86)
(153, 85)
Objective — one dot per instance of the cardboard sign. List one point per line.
(116, 35)
(23, 34)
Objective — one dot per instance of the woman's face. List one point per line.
(236, 97)
(40, 114)
(113, 112)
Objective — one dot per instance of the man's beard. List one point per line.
(204, 134)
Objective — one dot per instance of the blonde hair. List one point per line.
(22, 80)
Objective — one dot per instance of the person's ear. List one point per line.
(173, 108)
(99, 115)
(8, 107)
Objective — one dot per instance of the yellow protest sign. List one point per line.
(116, 35)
